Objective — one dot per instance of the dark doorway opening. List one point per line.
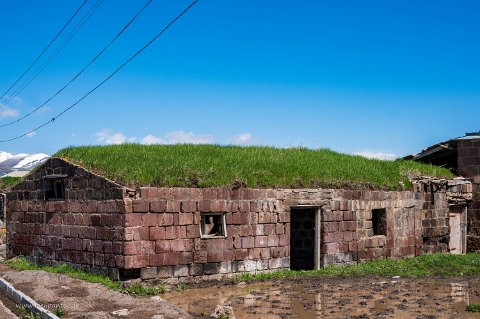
(302, 238)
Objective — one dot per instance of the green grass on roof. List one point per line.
(260, 167)
(7, 182)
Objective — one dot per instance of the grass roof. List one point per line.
(253, 166)
(7, 182)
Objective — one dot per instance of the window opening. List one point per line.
(54, 187)
(213, 225)
(379, 222)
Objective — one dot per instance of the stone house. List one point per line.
(64, 213)
(462, 156)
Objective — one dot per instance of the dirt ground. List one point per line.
(315, 298)
(83, 300)
(307, 298)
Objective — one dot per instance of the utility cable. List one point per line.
(106, 79)
(65, 41)
(44, 50)
(81, 71)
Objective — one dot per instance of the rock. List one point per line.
(120, 313)
(157, 299)
(223, 312)
(158, 317)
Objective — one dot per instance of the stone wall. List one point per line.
(469, 166)
(85, 230)
(150, 233)
(163, 236)
(2, 208)
(162, 230)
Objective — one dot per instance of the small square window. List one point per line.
(379, 222)
(213, 225)
(54, 187)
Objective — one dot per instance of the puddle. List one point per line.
(315, 298)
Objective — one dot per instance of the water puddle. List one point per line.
(316, 298)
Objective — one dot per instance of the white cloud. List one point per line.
(377, 155)
(242, 139)
(178, 137)
(152, 139)
(31, 134)
(108, 137)
(8, 112)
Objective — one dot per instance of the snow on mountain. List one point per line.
(11, 163)
(31, 161)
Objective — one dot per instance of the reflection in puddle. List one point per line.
(337, 298)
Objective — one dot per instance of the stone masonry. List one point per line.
(151, 233)
(469, 166)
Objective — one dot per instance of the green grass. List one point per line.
(7, 182)
(426, 265)
(260, 167)
(473, 307)
(135, 289)
(58, 312)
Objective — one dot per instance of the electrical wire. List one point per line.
(105, 80)
(52, 56)
(44, 50)
(84, 68)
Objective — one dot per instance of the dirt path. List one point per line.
(313, 298)
(83, 300)
(5, 313)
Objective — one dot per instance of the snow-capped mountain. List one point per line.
(19, 164)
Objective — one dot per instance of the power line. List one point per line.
(65, 41)
(44, 50)
(81, 71)
(106, 79)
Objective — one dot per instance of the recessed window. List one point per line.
(54, 187)
(379, 222)
(213, 225)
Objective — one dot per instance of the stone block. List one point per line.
(214, 256)
(205, 206)
(171, 259)
(278, 263)
(139, 206)
(148, 273)
(218, 206)
(211, 268)
(196, 270)
(199, 257)
(185, 219)
(180, 271)
(164, 272)
(225, 267)
(188, 206)
(158, 206)
(173, 206)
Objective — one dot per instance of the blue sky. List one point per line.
(389, 77)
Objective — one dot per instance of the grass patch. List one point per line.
(7, 182)
(426, 265)
(473, 307)
(188, 165)
(135, 289)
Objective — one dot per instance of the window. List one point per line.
(54, 187)
(379, 222)
(213, 225)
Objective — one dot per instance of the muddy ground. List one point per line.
(305, 298)
(315, 298)
(83, 300)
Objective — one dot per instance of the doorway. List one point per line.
(304, 239)
(458, 229)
